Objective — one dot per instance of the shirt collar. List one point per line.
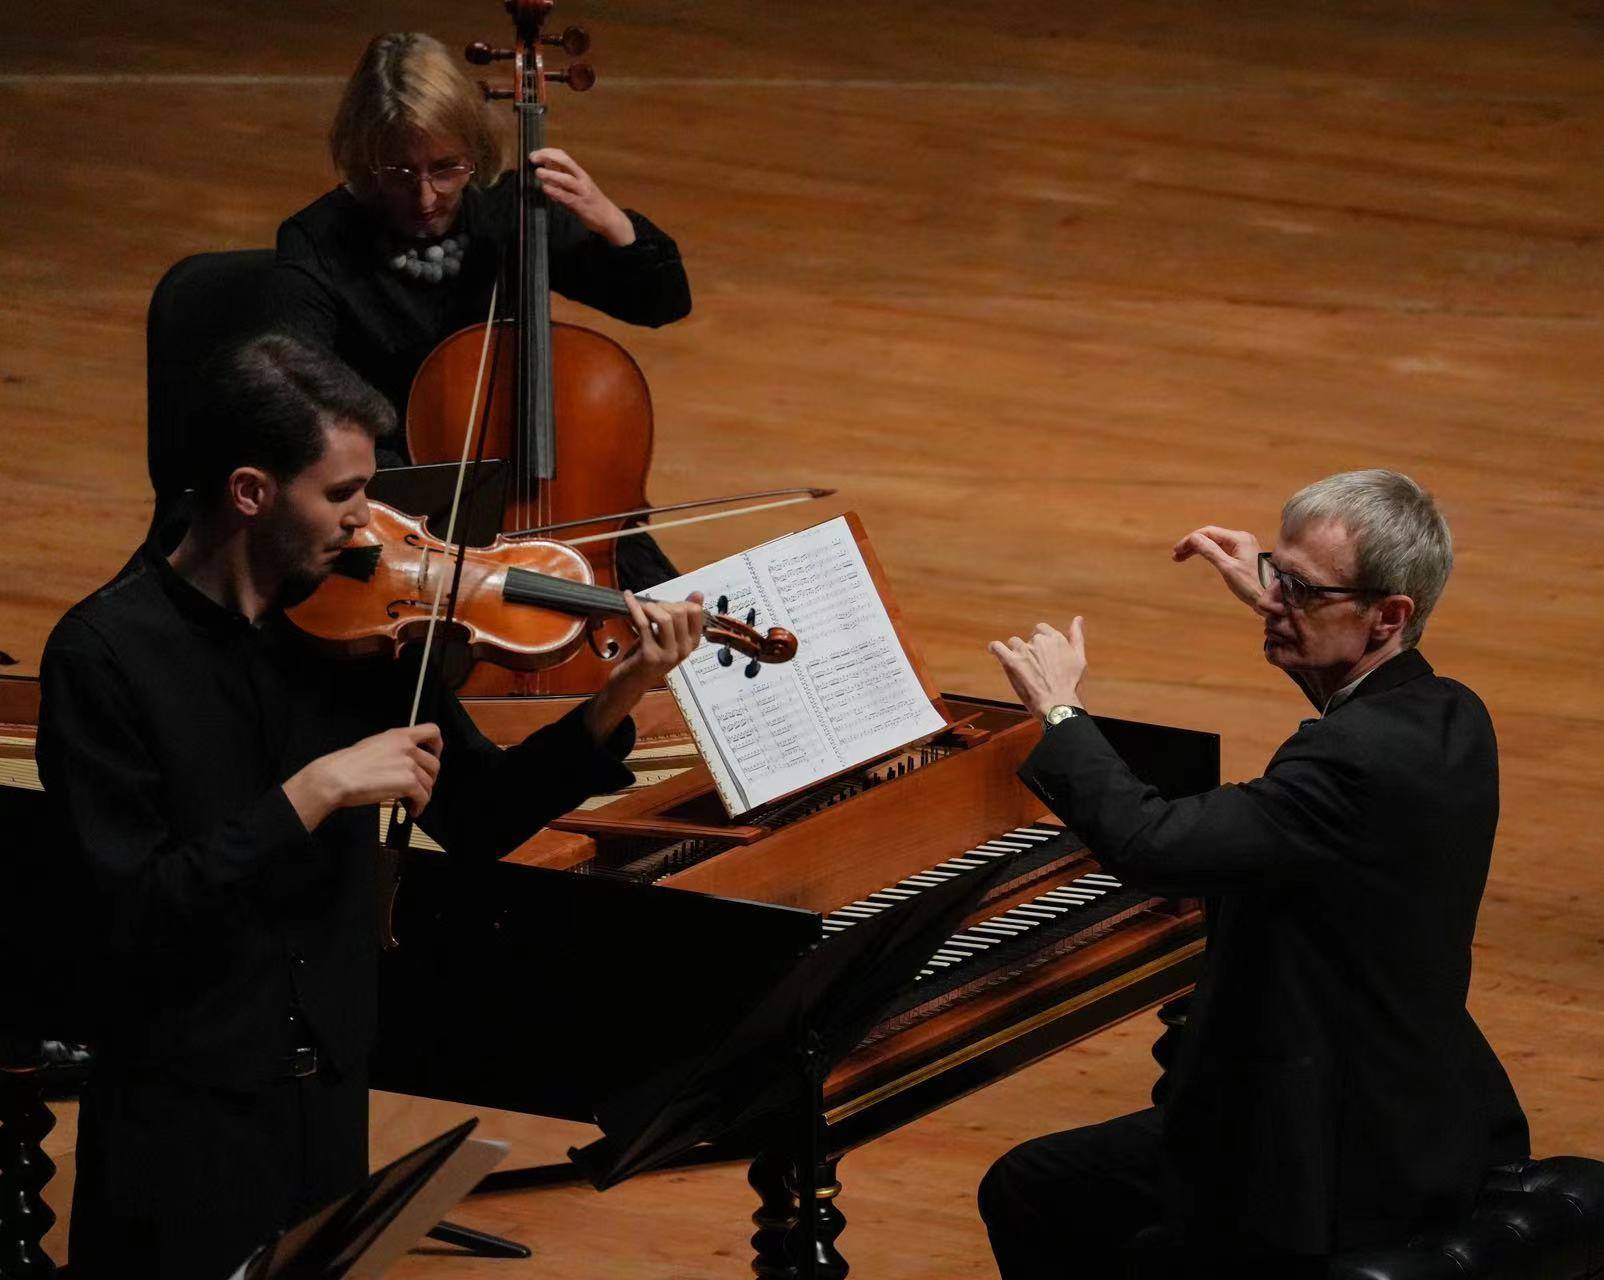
(193, 604)
(1346, 692)
(1397, 670)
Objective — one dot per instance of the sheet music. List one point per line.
(849, 695)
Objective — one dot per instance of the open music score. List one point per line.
(851, 694)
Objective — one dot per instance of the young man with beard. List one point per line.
(1330, 1089)
(217, 778)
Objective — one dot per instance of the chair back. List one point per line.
(203, 304)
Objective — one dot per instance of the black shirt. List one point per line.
(205, 910)
(333, 286)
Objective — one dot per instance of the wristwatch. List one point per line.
(1062, 712)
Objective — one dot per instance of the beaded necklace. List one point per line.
(433, 264)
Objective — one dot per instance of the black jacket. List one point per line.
(1330, 1089)
(332, 286)
(201, 909)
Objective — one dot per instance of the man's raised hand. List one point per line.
(1234, 552)
(1047, 670)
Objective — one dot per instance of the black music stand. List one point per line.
(366, 1227)
(763, 1083)
(426, 490)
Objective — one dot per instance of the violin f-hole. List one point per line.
(608, 653)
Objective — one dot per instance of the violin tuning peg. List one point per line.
(578, 76)
(751, 617)
(493, 95)
(752, 668)
(725, 657)
(573, 41)
(482, 55)
(723, 604)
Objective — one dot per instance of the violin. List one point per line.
(567, 406)
(521, 603)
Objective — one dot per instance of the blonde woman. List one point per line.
(405, 250)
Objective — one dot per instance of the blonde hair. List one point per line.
(406, 82)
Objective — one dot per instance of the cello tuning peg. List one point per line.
(723, 604)
(752, 668)
(482, 55)
(493, 95)
(578, 76)
(573, 41)
(725, 657)
(751, 617)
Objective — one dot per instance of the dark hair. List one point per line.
(266, 403)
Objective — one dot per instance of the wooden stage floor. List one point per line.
(1039, 287)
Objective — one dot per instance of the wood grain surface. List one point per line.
(1039, 287)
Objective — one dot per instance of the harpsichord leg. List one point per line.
(25, 1121)
(770, 1177)
(828, 1223)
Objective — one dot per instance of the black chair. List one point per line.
(1542, 1219)
(1536, 1220)
(203, 304)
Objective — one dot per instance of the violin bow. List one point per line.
(399, 835)
(635, 529)
(798, 494)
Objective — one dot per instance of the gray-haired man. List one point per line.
(1330, 1089)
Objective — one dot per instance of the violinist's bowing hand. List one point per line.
(565, 183)
(1048, 669)
(398, 764)
(669, 633)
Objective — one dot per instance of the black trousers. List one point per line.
(1099, 1203)
(180, 1180)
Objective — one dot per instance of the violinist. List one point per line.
(405, 251)
(218, 780)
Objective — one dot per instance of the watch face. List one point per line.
(1058, 714)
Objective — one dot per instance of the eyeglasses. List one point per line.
(1296, 592)
(446, 180)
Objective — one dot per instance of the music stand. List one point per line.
(362, 1232)
(426, 491)
(769, 1071)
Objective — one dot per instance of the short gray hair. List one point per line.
(1400, 538)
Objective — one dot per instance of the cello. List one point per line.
(566, 406)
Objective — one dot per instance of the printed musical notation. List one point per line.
(851, 693)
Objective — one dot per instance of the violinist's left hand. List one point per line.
(565, 183)
(1048, 669)
(669, 633)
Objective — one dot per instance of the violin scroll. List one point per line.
(777, 645)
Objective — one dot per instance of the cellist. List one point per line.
(217, 780)
(405, 251)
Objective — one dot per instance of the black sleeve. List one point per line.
(103, 784)
(643, 282)
(487, 801)
(1300, 821)
(300, 299)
